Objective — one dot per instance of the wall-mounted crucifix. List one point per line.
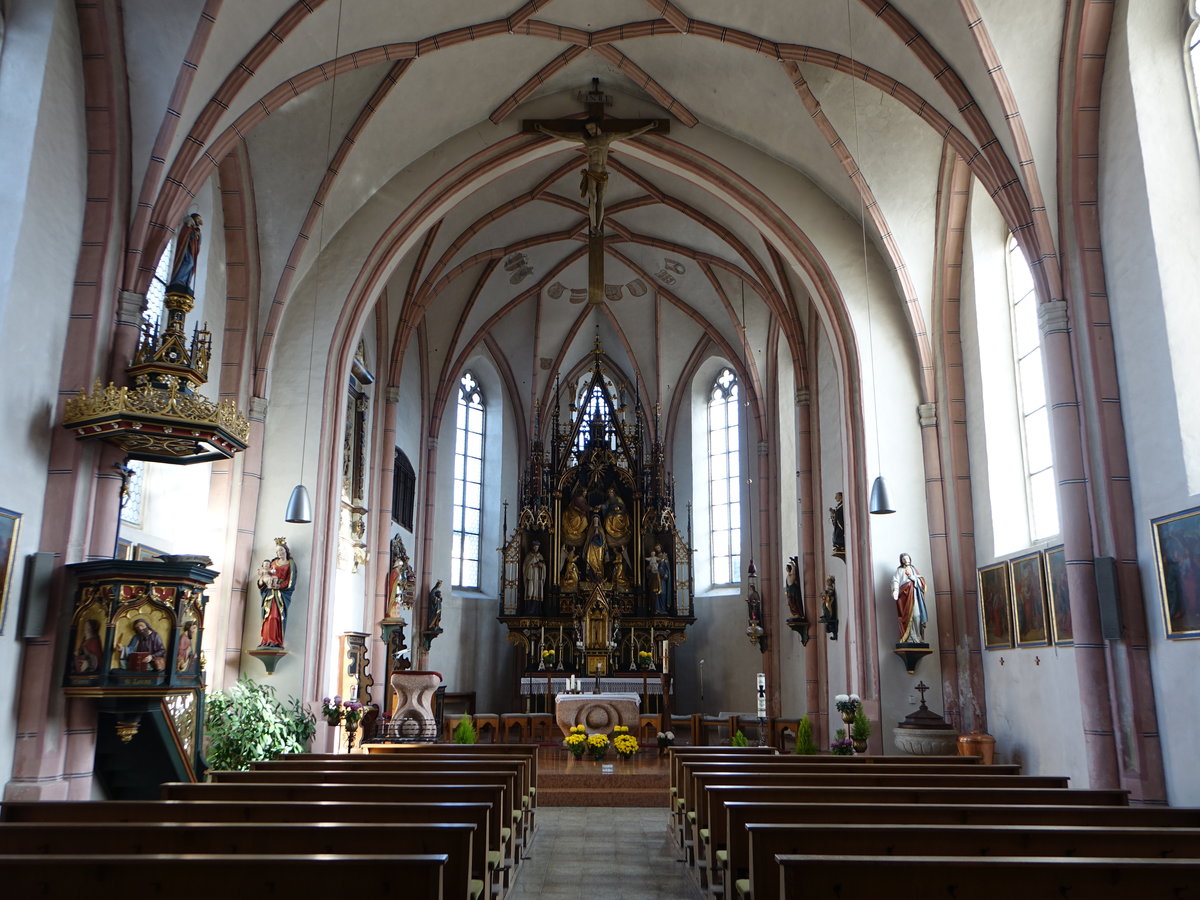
(595, 134)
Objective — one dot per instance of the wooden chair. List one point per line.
(488, 723)
(510, 721)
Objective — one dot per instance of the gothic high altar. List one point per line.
(596, 576)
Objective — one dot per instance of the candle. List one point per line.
(761, 690)
(542, 636)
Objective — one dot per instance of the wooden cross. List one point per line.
(595, 134)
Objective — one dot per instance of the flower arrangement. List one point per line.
(847, 703)
(338, 712)
(576, 741)
(842, 745)
(548, 656)
(597, 746)
(624, 743)
(645, 659)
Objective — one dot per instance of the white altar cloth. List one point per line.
(598, 713)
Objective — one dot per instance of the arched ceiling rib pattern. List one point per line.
(797, 98)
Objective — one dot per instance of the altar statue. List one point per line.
(596, 545)
(569, 579)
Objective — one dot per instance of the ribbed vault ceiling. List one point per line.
(851, 101)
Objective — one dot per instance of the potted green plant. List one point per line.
(250, 723)
(860, 731)
(739, 740)
(464, 731)
(806, 744)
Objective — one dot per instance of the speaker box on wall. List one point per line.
(1108, 599)
(35, 594)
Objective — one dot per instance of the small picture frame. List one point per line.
(1029, 601)
(1177, 556)
(10, 529)
(995, 607)
(1061, 628)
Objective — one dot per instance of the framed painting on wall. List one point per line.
(10, 527)
(1061, 628)
(1177, 553)
(1029, 601)
(995, 607)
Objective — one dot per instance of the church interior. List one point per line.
(733, 357)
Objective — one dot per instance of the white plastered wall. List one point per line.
(42, 156)
(1150, 217)
(1032, 692)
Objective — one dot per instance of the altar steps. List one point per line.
(640, 782)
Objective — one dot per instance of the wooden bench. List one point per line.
(902, 839)
(204, 876)
(475, 815)
(735, 860)
(523, 813)
(511, 822)
(700, 817)
(222, 838)
(985, 877)
(714, 795)
(499, 850)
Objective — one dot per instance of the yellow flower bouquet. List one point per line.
(576, 741)
(597, 745)
(626, 745)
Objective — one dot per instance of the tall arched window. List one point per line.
(1031, 397)
(157, 291)
(591, 404)
(724, 480)
(468, 484)
(1192, 49)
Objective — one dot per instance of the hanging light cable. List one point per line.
(299, 506)
(880, 502)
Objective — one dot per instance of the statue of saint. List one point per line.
(838, 523)
(535, 574)
(829, 608)
(276, 582)
(594, 178)
(569, 580)
(659, 578)
(434, 614)
(616, 518)
(792, 588)
(596, 545)
(620, 569)
(908, 590)
(187, 255)
(575, 519)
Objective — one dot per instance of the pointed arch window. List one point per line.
(157, 291)
(1192, 61)
(724, 479)
(468, 484)
(1031, 397)
(592, 406)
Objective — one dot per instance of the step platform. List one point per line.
(643, 781)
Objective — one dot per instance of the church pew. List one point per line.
(507, 778)
(476, 815)
(527, 751)
(738, 814)
(519, 763)
(713, 794)
(695, 780)
(985, 877)
(903, 839)
(204, 876)
(376, 839)
(499, 850)
(676, 755)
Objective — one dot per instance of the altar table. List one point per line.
(598, 713)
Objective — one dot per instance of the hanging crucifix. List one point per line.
(595, 133)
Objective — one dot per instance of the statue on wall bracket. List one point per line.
(798, 620)
(908, 590)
